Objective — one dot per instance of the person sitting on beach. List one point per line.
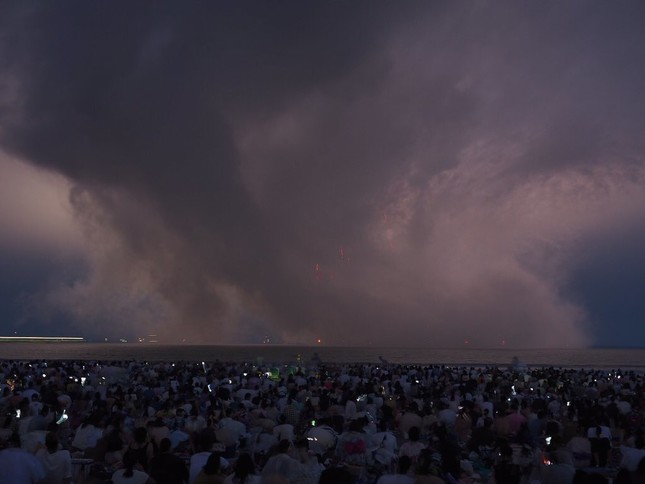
(142, 448)
(178, 420)
(353, 445)
(428, 468)
(309, 464)
(130, 475)
(384, 438)
(284, 430)
(412, 447)
(350, 409)
(322, 436)
(409, 419)
(244, 472)
(537, 428)
(167, 468)
(261, 444)
(482, 439)
(36, 405)
(580, 448)
(203, 443)
(292, 410)
(158, 430)
(211, 473)
(481, 419)
(42, 420)
(501, 423)
(235, 426)
(463, 423)
(505, 470)
(401, 477)
(600, 438)
(19, 466)
(558, 468)
(282, 464)
(632, 454)
(57, 462)
(194, 423)
(24, 418)
(113, 447)
(514, 418)
(446, 416)
(88, 434)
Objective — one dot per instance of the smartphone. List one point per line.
(62, 418)
(313, 423)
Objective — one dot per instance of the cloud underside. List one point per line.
(426, 179)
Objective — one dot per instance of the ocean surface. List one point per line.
(600, 358)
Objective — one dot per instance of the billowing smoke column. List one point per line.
(355, 174)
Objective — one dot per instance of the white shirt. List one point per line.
(87, 437)
(138, 477)
(235, 426)
(283, 465)
(604, 432)
(386, 440)
(284, 431)
(18, 465)
(58, 465)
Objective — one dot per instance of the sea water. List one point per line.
(600, 358)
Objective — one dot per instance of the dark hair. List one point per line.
(140, 435)
(113, 441)
(425, 463)
(212, 464)
(283, 446)
(336, 475)
(129, 461)
(302, 443)
(622, 477)
(165, 445)
(205, 439)
(244, 467)
(641, 465)
(51, 442)
(14, 439)
(404, 464)
(356, 425)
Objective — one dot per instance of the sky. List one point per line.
(432, 173)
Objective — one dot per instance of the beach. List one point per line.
(601, 358)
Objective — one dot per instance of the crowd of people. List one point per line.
(217, 422)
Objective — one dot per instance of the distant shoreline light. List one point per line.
(67, 339)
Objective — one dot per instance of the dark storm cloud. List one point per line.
(140, 97)
(609, 276)
(363, 172)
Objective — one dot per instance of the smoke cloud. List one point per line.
(437, 174)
